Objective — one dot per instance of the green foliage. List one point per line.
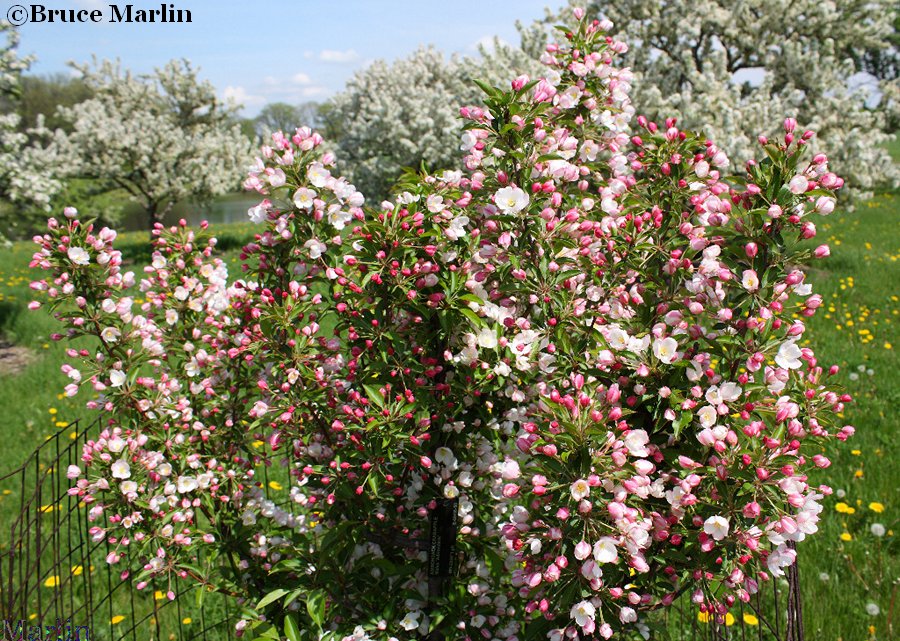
(281, 116)
(43, 95)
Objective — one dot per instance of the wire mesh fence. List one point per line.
(54, 575)
(774, 613)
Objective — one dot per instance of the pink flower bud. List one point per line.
(752, 510)
(519, 82)
(821, 461)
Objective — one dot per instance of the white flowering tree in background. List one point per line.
(11, 65)
(404, 114)
(800, 58)
(162, 138)
(26, 184)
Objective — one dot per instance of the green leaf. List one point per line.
(315, 606)
(374, 394)
(373, 483)
(265, 631)
(291, 631)
(272, 596)
(774, 153)
(485, 87)
(472, 316)
(293, 596)
(684, 419)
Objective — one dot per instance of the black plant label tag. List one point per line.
(444, 519)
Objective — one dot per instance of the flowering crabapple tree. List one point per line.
(26, 182)
(735, 69)
(586, 347)
(404, 114)
(162, 138)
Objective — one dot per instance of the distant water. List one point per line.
(231, 208)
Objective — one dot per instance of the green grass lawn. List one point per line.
(847, 569)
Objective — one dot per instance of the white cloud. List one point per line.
(342, 57)
(239, 95)
(295, 89)
(312, 92)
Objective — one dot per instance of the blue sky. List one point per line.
(277, 50)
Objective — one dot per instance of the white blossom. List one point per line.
(120, 469)
(511, 200)
(788, 356)
(583, 612)
(580, 489)
(78, 255)
(717, 527)
(665, 349)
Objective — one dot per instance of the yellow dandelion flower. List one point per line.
(46, 508)
(856, 452)
(257, 444)
(729, 618)
(51, 581)
(116, 620)
(159, 595)
(858, 474)
(888, 346)
(875, 506)
(703, 617)
(52, 410)
(749, 619)
(275, 485)
(841, 507)
(77, 570)
(186, 621)
(846, 536)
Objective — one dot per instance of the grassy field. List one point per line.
(850, 570)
